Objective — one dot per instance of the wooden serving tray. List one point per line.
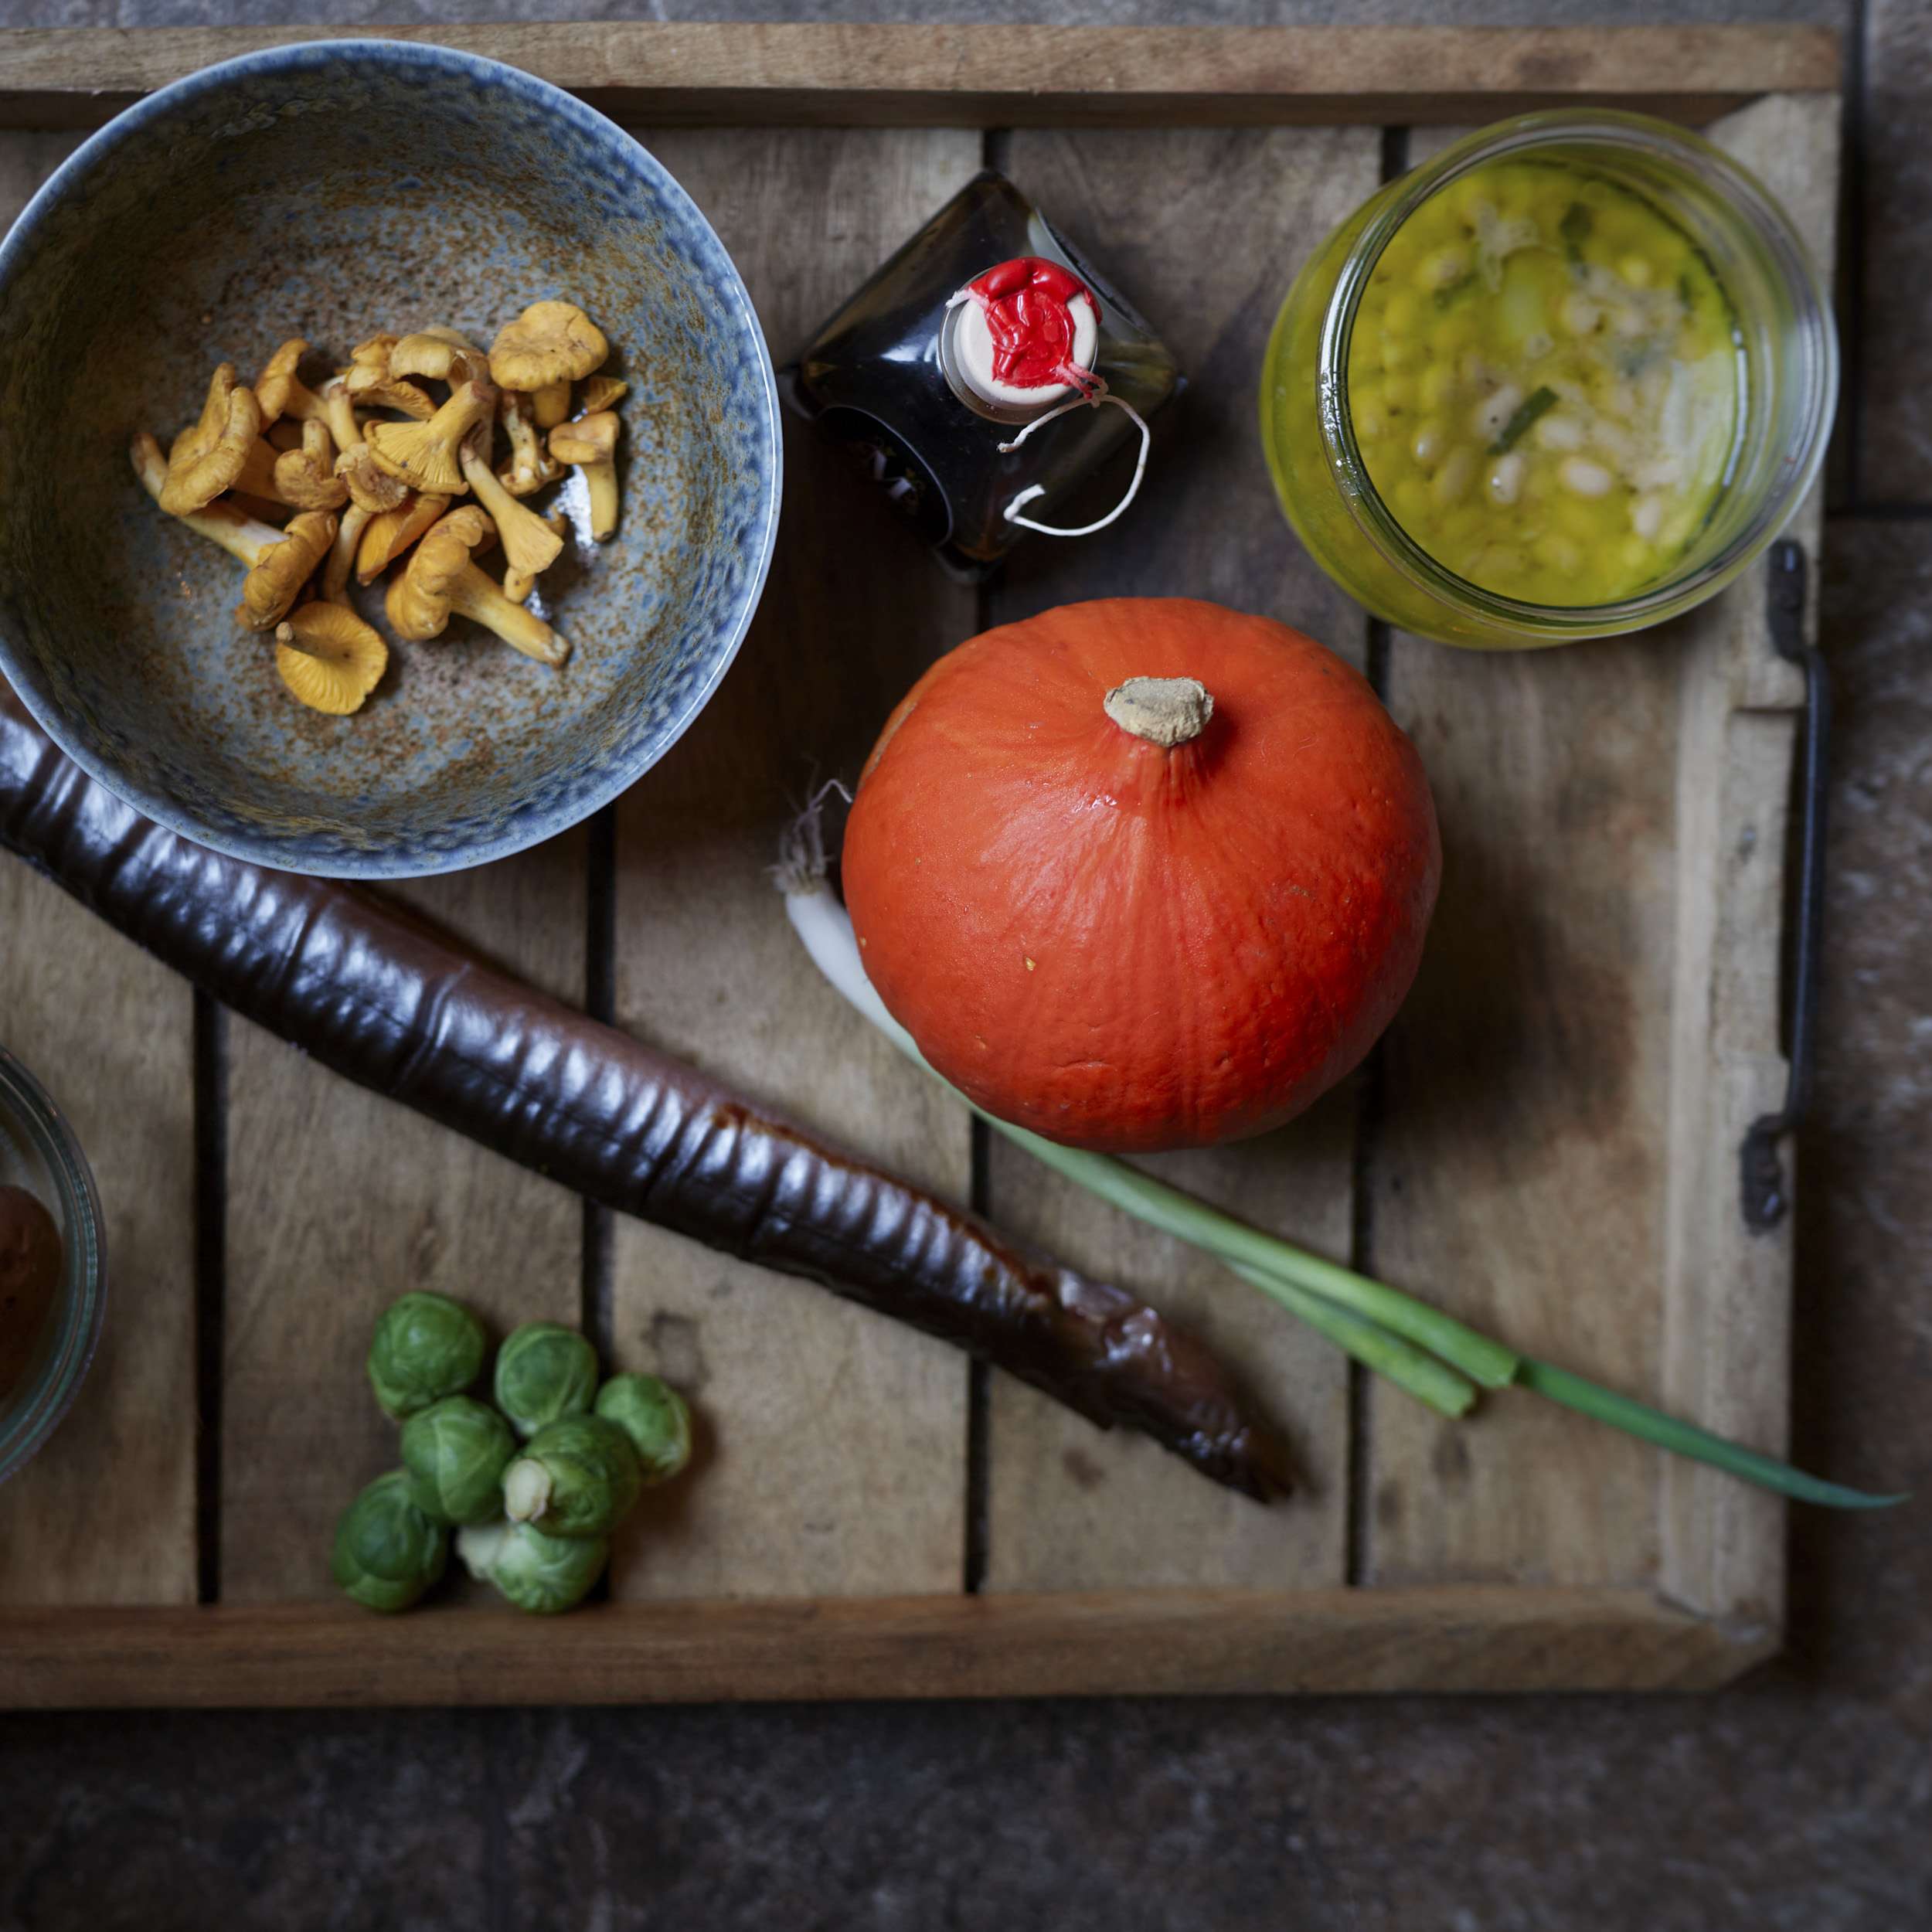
(1550, 1146)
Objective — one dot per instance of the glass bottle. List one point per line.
(887, 377)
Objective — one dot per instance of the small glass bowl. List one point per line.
(1786, 344)
(37, 1152)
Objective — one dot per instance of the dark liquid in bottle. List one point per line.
(872, 378)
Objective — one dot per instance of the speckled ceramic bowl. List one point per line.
(328, 191)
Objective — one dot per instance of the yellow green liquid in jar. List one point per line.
(1544, 384)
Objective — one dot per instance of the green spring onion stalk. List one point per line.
(1431, 1356)
(1433, 1383)
(1249, 1250)
(1685, 1439)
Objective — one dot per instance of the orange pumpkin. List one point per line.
(1142, 873)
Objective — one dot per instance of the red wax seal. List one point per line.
(1026, 303)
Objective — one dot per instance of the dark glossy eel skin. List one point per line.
(370, 992)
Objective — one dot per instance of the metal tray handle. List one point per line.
(1767, 1198)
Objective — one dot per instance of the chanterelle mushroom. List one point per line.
(282, 392)
(371, 385)
(591, 443)
(282, 568)
(441, 354)
(306, 477)
(342, 553)
(339, 410)
(237, 532)
(427, 456)
(210, 454)
(368, 482)
(329, 658)
(529, 544)
(256, 477)
(279, 561)
(531, 465)
(549, 346)
(518, 584)
(441, 581)
(602, 393)
(392, 533)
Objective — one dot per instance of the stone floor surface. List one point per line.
(1800, 1802)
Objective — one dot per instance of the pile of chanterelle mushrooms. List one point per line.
(371, 466)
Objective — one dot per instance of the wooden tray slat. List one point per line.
(834, 1443)
(1726, 1340)
(1200, 226)
(337, 1202)
(108, 1514)
(661, 72)
(1519, 1173)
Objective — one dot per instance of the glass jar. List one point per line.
(1783, 339)
(39, 1152)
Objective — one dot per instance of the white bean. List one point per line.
(1428, 444)
(1506, 478)
(1492, 417)
(1580, 315)
(1453, 478)
(1612, 440)
(1582, 478)
(1647, 516)
(1559, 433)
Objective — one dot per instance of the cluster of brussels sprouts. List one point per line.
(535, 1519)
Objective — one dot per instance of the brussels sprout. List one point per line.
(425, 1347)
(537, 1572)
(654, 1416)
(544, 1372)
(578, 1477)
(455, 1451)
(387, 1552)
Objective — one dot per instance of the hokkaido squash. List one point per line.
(1142, 873)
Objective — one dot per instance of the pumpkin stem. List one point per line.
(1165, 711)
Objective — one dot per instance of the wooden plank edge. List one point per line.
(1486, 1638)
(723, 73)
(1725, 1355)
(1726, 1344)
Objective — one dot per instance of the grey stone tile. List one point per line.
(1895, 457)
(195, 1820)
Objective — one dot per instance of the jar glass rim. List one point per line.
(1771, 226)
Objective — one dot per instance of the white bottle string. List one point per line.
(1033, 490)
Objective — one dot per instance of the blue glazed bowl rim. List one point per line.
(307, 55)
